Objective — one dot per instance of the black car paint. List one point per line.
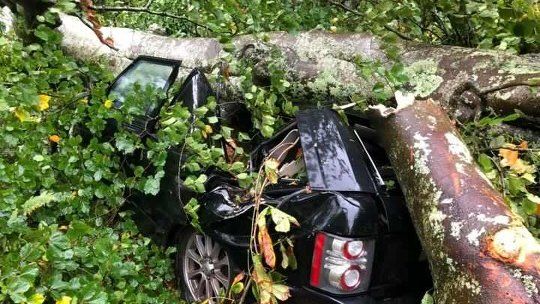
(343, 200)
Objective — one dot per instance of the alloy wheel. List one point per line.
(206, 268)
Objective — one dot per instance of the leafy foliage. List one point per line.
(511, 164)
(505, 25)
(63, 235)
(502, 24)
(225, 18)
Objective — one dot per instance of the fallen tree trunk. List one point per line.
(479, 252)
(462, 80)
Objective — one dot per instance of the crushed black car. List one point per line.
(355, 242)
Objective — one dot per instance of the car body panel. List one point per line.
(194, 91)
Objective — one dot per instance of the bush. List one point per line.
(63, 235)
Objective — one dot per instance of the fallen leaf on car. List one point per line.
(282, 220)
(281, 292)
(266, 247)
(270, 168)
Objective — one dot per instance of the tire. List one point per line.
(201, 275)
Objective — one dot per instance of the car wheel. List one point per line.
(203, 267)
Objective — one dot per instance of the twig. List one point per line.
(148, 3)
(243, 297)
(357, 13)
(400, 35)
(73, 100)
(441, 24)
(145, 9)
(513, 149)
(90, 26)
(425, 29)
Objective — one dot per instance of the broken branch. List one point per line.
(146, 9)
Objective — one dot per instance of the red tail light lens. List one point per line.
(316, 263)
(341, 265)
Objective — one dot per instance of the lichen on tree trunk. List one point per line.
(479, 252)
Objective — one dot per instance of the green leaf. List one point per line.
(270, 169)
(427, 299)
(151, 186)
(237, 288)
(236, 167)
(485, 162)
(43, 33)
(284, 256)
(516, 185)
(38, 158)
(36, 202)
(528, 206)
(282, 220)
(212, 119)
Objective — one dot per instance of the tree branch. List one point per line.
(90, 26)
(145, 9)
(357, 13)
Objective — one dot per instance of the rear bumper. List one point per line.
(306, 295)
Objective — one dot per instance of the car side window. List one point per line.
(144, 73)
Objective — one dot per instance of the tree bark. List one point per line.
(7, 20)
(464, 81)
(479, 252)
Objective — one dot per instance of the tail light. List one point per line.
(341, 265)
